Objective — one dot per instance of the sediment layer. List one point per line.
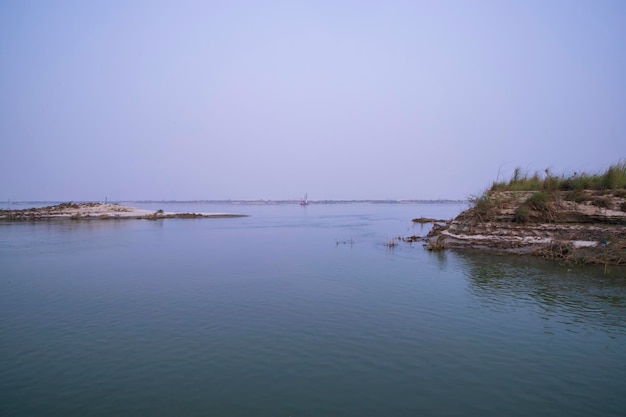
(586, 226)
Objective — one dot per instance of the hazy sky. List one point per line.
(272, 99)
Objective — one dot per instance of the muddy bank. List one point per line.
(577, 227)
(99, 211)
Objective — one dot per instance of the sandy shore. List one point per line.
(76, 211)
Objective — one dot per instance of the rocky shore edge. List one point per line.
(575, 227)
(99, 211)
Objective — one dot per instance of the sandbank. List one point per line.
(77, 211)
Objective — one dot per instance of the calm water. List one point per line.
(298, 311)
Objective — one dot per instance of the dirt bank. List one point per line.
(579, 227)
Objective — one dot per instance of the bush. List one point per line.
(575, 195)
(483, 206)
(538, 201)
(536, 207)
(522, 214)
(602, 202)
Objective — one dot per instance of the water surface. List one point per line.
(298, 311)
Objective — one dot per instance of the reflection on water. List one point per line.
(574, 296)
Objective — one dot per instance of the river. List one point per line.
(298, 311)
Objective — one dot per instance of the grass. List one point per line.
(423, 220)
(538, 201)
(519, 182)
(536, 207)
(601, 202)
(483, 206)
(522, 214)
(614, 178)
(541, 198)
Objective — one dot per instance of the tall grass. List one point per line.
(614, 178)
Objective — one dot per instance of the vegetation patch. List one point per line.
(423, 220)
(576, 219)
(576, 196)
(537, 208)
(519, 182)
(555, 250)
(522, 214)
(539, 201)
(602, 202)
(483, 207)
(614, 178)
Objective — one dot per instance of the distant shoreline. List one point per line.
(240, 202)
(99, 211)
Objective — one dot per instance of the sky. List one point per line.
(207, 100)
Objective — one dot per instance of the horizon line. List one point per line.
(230, 200)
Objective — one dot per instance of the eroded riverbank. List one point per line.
(578, 227)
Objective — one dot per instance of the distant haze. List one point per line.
(274, 99)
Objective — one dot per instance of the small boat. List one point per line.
(304, 201)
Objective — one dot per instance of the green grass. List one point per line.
(614, 178)
(483, 205)
(535, 207)
(538, 201)
(519, 182)
(522, 214)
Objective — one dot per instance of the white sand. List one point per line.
(526, 240)
(107, 210)
(584, 244)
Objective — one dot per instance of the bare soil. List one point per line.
(575, 227)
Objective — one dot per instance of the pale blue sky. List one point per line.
(272, 99)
